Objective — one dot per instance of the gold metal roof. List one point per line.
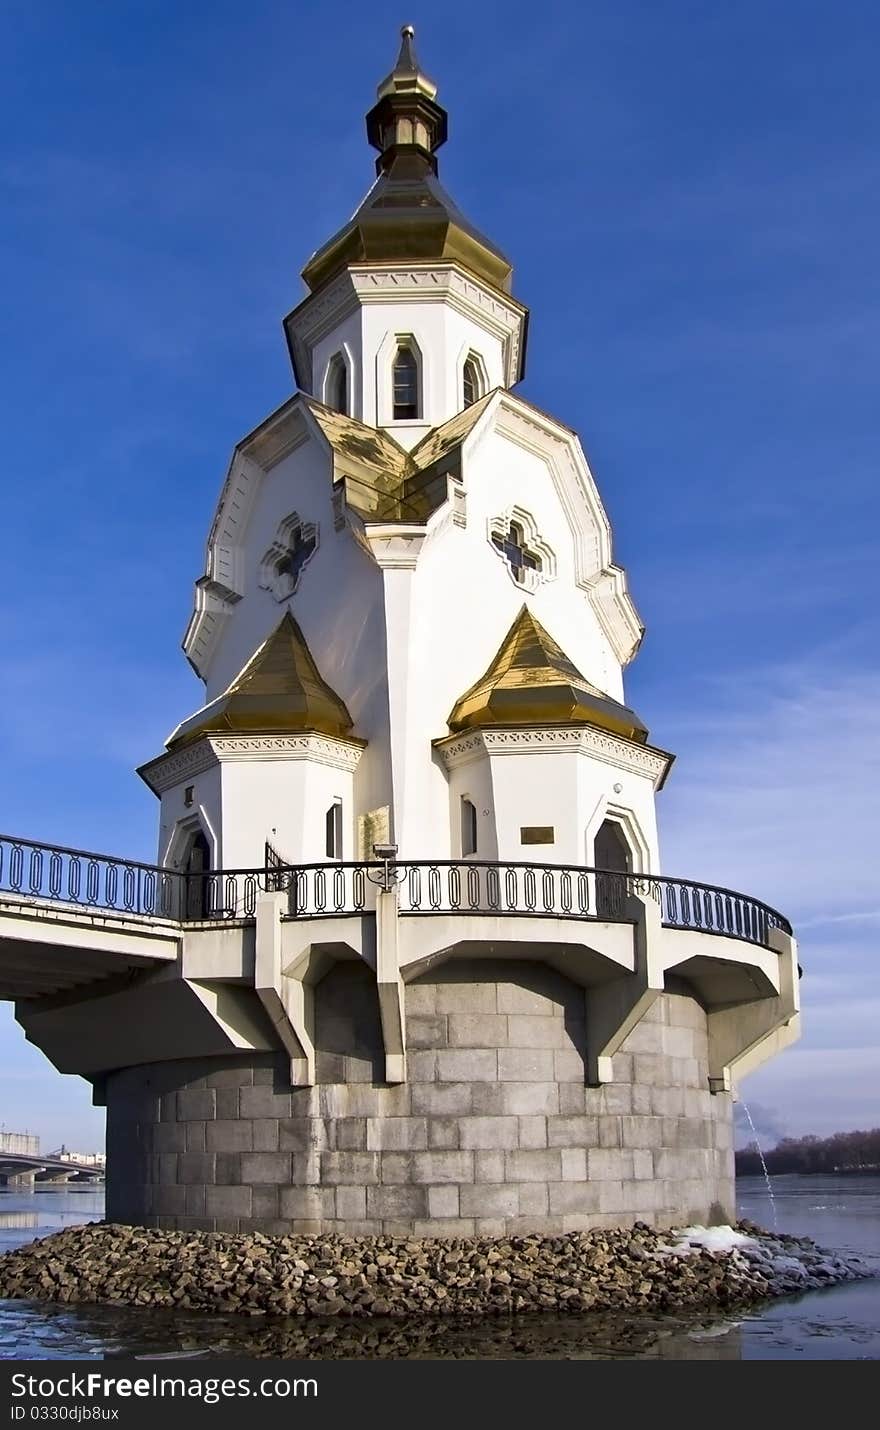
(531, 681)
(408, 216)
(384, 482)
(279, 691)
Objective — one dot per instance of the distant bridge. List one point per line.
(50, 1169)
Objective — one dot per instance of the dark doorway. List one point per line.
(196, 869)
(612, 855)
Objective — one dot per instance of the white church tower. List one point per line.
(411, 629)
(407, 961)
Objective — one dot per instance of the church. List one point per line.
(407, 961)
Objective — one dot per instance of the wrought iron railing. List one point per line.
(52, 874)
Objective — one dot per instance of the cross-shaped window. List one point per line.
(512, 546)
(300, 547)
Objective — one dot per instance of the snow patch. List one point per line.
(707, 1238)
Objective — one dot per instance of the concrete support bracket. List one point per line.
(390, 986)
(284, 999)
(743, 1037)
(614, 1008)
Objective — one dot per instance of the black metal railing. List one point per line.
(51, 874)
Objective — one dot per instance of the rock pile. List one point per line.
(633, 1270)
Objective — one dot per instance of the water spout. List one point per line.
(745, 1108)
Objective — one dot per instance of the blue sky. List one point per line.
(689, 194)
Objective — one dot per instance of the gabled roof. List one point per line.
(384, 482)
(531, 681)
(278, 691)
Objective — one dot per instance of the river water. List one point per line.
(841, 1213)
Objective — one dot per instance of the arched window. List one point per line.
(405, 384)
(613, 857)
(196, 868)
(468, 828)
(333, 830)
(471, 382)
(336, 385)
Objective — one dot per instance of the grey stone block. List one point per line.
(170, 1201)
(641, 1100)
(653, 1068)
(486, 1200)
(490, 1226)
(533, 1199)
(568, 1197)
(426, 1031)
(568, 1066)
(467, 1065)
(302, 1134)
(239, 1075)
(525, 1065)
(265, 1167)
(195, 1136)
(615, 1098)
(531, 1030)
(195, 1106)
(610, 1134)
(574, 1164)
(226, 1103)
(349, 1168)
(622, 1068)
(643, 1165)
(572, 1099)
(484, 1133)
(195, 1201)
(420, 998)
(228, 1201)
(421, 1067)
(532, 1131)
(351, 1134)
(443, 1133)
(396, 1168)
(306, 1203)
(514, 999)
(227, 1169)
(488, 1166)
(263, 1102)
(443, 1202)
(265, 1203)
(572, 1131)
(305, 1168)
(530, 1099)
(266, 1134)
(477, 1030)
(331, 1067)
(195, 1167)
(609, 1164)
(442, 1099)
(533, 1165)
(444, 1229)
(466, 998)
(169, 1137)
(397, 1202)
(435, 1167)
(641, 1131)
(226, 1136)
(397, 1134)
(351, 1203)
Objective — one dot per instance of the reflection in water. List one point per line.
(18, 1219)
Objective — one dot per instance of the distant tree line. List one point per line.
(842, 1152)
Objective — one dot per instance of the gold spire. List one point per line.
(408, 217)
(531, 681)
(407, 75)
(279, 691)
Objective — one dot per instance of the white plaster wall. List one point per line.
(206, 805)
(284, 801)
(346, 337)
(473, 781)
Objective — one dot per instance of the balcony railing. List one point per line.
(104, 884)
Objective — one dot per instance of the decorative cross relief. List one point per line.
(287, 557)
(529, 560)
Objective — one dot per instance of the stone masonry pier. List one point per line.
(493, 1132)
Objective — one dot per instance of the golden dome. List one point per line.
(531, 681)
(407, 215)
(279, 691)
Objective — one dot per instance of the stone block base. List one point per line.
(494, 1131)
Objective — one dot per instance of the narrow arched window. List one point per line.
(405, 384)
(468, 828)
(333, 830)
(470, 382)
(336, 387)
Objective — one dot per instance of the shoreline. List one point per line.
(631, 1270)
